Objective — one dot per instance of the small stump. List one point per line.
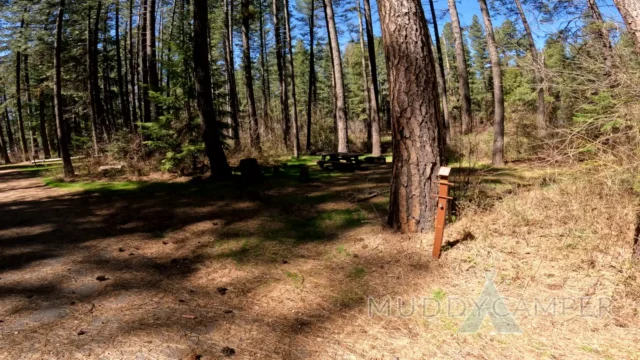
(304, 174)
(250, 170)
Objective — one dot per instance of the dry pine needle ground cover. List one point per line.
(284, 270)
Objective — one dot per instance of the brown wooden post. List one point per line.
(443, 198)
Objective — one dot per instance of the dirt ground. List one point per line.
(289, 271)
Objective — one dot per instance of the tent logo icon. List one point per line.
(491, 304)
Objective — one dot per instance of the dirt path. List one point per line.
(284, 271)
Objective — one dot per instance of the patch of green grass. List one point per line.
(343, 251)
(296, 279)
(96, 186)
(358, 272)
(438, 294)
(315, 228)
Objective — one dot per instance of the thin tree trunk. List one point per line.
(537, 71)
(122, 89)
(254, 130)
(12, 141)
(144, 64)
(23, 137)
(630, 11)
(341, 111)
(109, 124)
(415, 109)
(443, 90)
(43, 125)
(91, 86)
(266, 91)
(312, 71)
(463, 75)
(57, 81)
(374, 92)
(132, 69)
(294, 109)
(217, 158)
(284, 92)
(365, 75)
(100, 106)
(498, 94)
(27, 84)
(4, 150)
(231, 76)
(152, 64)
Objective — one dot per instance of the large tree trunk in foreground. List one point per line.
(213, 146)
(415, 111)
(498, 94)
(294, 102)
(254, 130)
(63, 137)
(341, 110)
(538, 65)
(463, 75)
(630, 10)
(374, 92)
(443, 90)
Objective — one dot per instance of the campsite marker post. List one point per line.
(443, 198)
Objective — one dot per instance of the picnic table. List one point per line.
(340, 161)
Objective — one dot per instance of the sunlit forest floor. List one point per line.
(185, 269)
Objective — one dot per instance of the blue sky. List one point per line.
(468, 8)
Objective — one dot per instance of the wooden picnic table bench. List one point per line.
(341, 161)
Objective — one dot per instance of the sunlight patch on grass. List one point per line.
(96, 186)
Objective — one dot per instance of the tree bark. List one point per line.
(43, 125)
(264, 75)
(152, 64)
(463, 75)
(144, 63)
(498, 94)
(100, 106)
(63, 138)
(312, 71)
(109, 124)
(365, 77)
(217, 158)
(294, 109)
(630, 11)
(415, 111)
(91, 86)
(122, 88)
(4, 149)
(254, 130)
(27, 85)
(23, 137)
(132, 69)
(374, 92)
(284, 92)
(341, 111)
(443, 85)
(231, 77)
(12, 142)
(538, 66)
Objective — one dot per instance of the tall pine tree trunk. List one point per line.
(415, 111)
(63, 137)
(132, 70)
(294, 109)
(122, 88)
(341, 110)
(254, 130)
(463, 75)
(374, 92)
(443, 89)
(109, 124)
(217, 158)
(284, 92)
(264, 72)
(538, 66)
(12, 143)
(4, 145)
(23, 137)
(234, 107)
(91, 86)
(27, 85)
(365, 75)
(498, 93)
(312, 71)
(152, 63)
(43, 125)
(144, 63)
(630, 10)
